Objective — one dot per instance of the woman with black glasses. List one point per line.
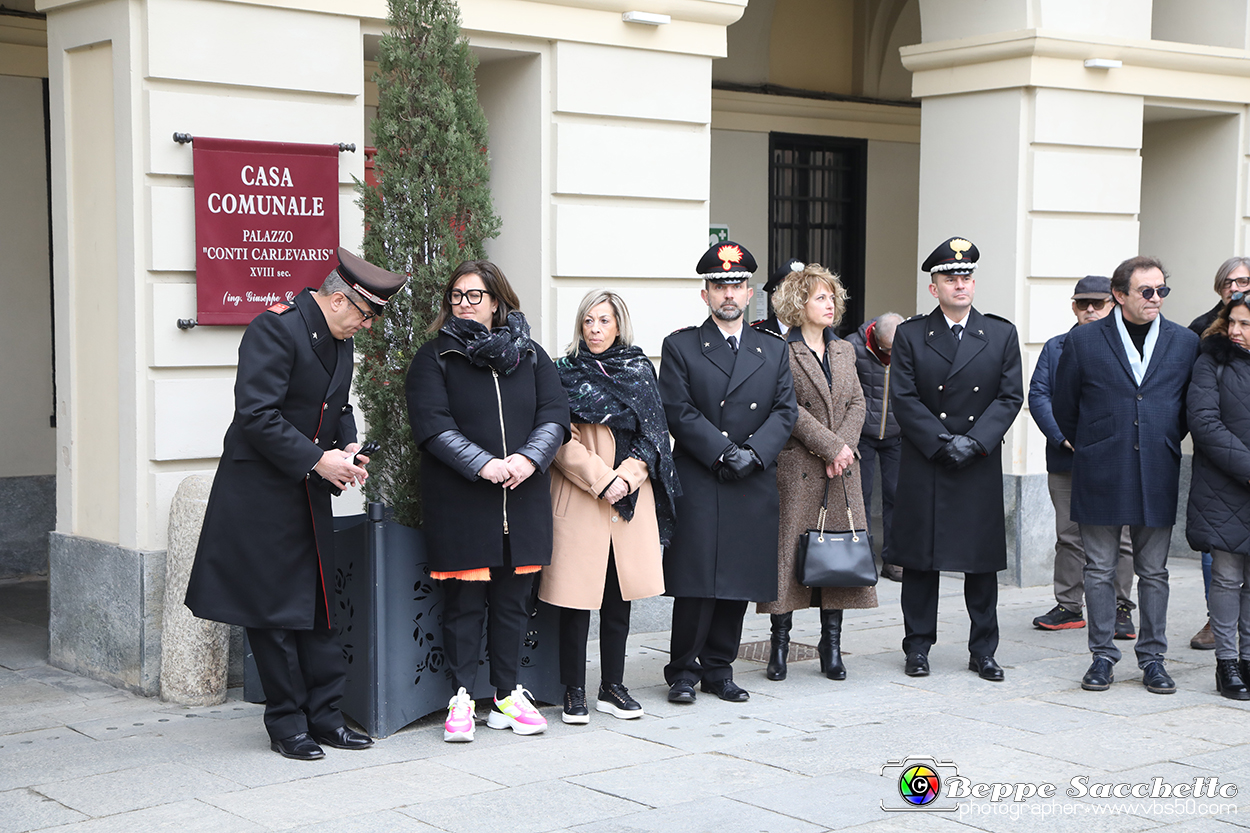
(488, 410)
(1232, 276)
(1218, 405)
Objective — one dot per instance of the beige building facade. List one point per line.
(1060, 135)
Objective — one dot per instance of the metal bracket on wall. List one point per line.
(187, 138)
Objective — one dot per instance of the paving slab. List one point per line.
(690, 777)
(353, 793)
(178, 817)
(28, 810)
(553, 754)
(135, 789)
(707, 814)
(533, 808)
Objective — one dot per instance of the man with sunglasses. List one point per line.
(1090, 302)
(1119, 398)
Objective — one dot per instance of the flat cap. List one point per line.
(1092, 287)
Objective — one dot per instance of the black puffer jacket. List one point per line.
(1219, 420)
(874, 377)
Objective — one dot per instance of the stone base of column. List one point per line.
(105, 605)
(1030, 530)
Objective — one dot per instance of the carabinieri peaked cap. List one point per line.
(726, 262)
(782, 272)
(375, 284)
(958, 256)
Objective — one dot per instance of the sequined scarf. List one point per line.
(618, 388)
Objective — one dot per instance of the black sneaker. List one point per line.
(614, 699)
(1124, 628)
(575, 710)
(1059, 619)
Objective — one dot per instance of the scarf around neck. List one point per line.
(618, 388)
(500, 349)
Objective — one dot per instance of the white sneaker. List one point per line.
(459, 725)
(517, 713)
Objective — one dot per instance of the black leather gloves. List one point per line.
(959, 451)
(736, 463)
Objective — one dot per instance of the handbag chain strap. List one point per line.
(824, 510)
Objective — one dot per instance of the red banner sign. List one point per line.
(266, 224)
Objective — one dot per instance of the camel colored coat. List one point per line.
(586, 525)
(828, 420)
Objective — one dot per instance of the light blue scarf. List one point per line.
(1138, 361)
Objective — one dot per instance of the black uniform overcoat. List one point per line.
(725, 545)
(948, 519)
(465, 520)
(266, 545)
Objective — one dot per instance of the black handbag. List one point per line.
(836, 558)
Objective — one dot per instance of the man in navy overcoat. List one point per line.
(1120, 399)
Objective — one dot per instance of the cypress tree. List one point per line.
(431, 210)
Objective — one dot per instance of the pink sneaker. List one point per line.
(458, 727)
(516, 712)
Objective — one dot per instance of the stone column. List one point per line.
(194, 652)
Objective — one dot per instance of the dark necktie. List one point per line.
(958, 330)
(733, 343)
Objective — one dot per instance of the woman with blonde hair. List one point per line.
(613, 489)
(822, 447)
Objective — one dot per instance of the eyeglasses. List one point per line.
(1240, 283)
(1148, 292)
(367, 316)
(1085, 303)
(473, 296)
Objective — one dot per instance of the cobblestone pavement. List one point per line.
(806, 754)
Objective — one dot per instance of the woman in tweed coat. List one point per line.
(831, 413)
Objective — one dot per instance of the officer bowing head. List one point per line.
(950, 268)
(355, 293)
(725, 269)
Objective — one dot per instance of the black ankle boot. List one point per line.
(1228, 680)
(830, 646)
(780, 649)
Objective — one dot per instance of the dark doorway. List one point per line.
(816, 209)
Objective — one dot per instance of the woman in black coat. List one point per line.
(487, 409)
(1218, 405)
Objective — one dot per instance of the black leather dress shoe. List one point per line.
(344, 738)
(917, 665)
(1156, 679)
(726, 690)
(681, 691)
(986, 668)
(1099, 677)
(298, 747)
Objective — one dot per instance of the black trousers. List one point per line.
(502, 605)
(704, 639)
(303, 674)
(613, 631)
(920, 605)
(890, 453)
